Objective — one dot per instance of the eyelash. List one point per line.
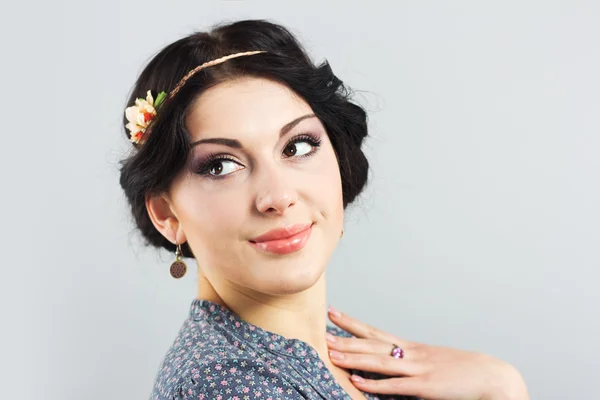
(206, 166)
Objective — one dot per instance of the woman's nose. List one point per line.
(276, 194)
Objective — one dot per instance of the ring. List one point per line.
(397, 352)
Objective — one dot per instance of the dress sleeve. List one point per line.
(236, 379)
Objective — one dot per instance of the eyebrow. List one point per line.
(236, 143)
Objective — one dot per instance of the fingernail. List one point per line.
(334, 312)
(357, 378)
(330, 338)
(336, 355)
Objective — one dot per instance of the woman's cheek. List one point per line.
(223, 212)
(331, 181)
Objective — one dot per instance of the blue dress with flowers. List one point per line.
(218, 356)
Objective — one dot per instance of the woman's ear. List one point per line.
(163, 217)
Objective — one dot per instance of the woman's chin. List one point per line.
(289, 282)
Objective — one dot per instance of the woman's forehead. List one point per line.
(244, 107)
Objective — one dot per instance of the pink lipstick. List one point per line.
(283, 240)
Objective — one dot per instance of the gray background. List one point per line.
(479, 229)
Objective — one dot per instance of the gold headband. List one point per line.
(144, 110)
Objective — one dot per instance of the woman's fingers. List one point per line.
(367, 346)
(362, 330)
(409, 386)
(381, 364)
(355, 345)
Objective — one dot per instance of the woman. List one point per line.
(245, 156)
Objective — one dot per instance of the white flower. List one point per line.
(139, 116)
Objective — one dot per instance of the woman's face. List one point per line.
(260, 202)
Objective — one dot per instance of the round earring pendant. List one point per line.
(178, 269)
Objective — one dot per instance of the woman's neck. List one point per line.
(300, 316)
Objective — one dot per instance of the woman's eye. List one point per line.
(298, 149)
(223, 167)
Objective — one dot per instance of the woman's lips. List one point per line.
(283, 240)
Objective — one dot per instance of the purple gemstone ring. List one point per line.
(397, 352)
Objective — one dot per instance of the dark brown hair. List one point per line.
(152, 166)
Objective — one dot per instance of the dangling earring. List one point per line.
(178, 267)
(342, 235)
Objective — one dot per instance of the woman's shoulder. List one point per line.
(204, 363)
(196, 346)
(222, 376)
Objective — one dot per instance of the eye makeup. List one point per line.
(211, 165)
(311, 139)
(212, 161)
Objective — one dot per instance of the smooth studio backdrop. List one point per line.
(479, 228)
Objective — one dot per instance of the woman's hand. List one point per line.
(429, 372)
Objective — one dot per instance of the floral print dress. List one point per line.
(218, 356)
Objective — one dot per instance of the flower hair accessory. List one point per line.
(140, 115)
(144, 110)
